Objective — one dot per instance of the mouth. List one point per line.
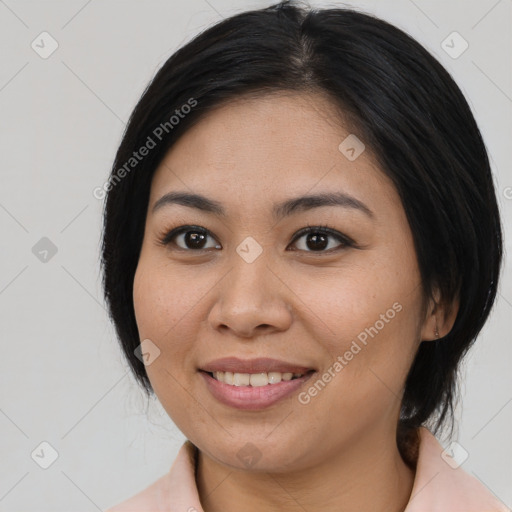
(253, 384)
(272, 367)
(255, 379)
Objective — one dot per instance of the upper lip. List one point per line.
(257, 365)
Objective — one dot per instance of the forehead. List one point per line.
(276, 145)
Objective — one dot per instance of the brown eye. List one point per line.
(321, 239)
(193, 238)
(317, 239)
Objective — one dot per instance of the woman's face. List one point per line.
(344, 309)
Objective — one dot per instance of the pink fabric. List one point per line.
(437, 487)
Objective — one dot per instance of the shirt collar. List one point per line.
(438, 487)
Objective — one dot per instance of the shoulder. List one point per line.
(152, 498)
(176, 486)
(441, 485)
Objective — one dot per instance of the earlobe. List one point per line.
(440, 319)
(448, 315)
(430, 330)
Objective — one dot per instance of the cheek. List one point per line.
(163, 299)
(378, 298)
(369, 315)
(169, 311)
(158, 307)
(161, 309)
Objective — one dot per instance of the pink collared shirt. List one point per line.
(437, 486)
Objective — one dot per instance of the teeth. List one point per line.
(240, 379)
(275, 377)
(254, 379)
(258, 379)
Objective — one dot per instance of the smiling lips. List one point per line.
(254, 379)
(255, 383)
(258, 365)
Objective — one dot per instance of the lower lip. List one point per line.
(252, 397)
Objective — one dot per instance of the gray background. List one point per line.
(63, 379)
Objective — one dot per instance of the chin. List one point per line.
(255, 453)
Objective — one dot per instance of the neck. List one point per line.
(370, 475)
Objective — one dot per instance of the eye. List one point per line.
(317, 239)
(188, 238)
(194, 238)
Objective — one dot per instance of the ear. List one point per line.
(440, 317)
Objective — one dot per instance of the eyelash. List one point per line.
(166, 238)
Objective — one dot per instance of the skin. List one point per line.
(337, 452)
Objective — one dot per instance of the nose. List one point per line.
(251, 300)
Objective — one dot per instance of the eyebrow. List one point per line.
(280, 210)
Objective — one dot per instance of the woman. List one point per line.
(301, 242)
